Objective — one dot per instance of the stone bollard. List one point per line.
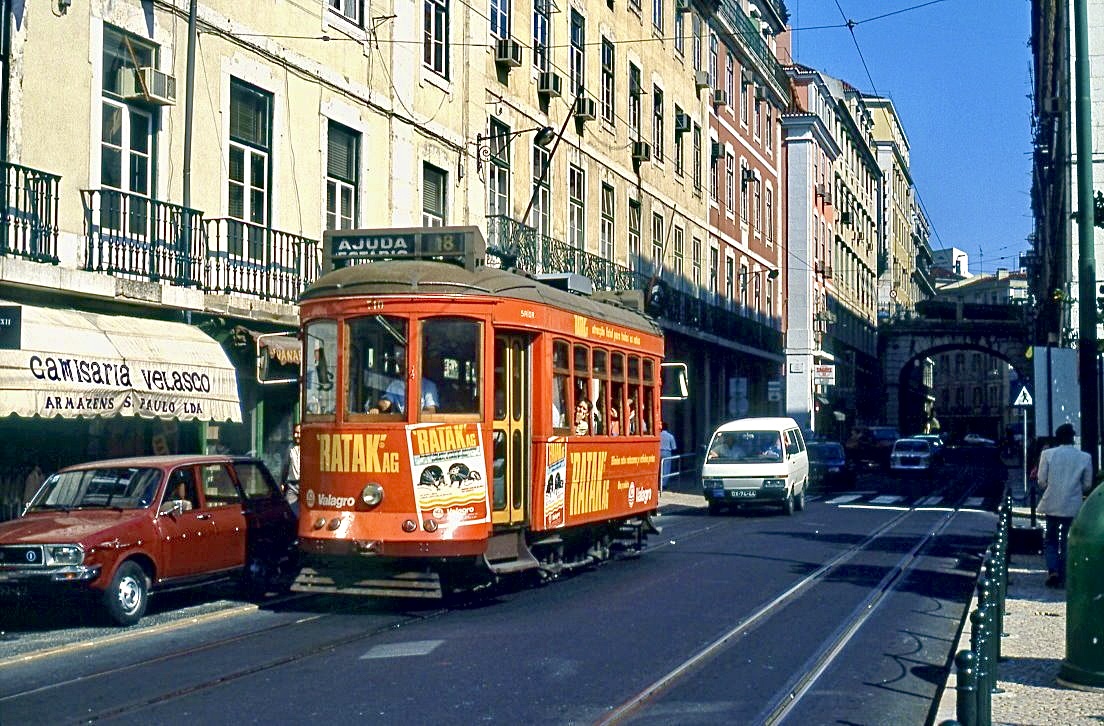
(1084, 663)
(966, 685)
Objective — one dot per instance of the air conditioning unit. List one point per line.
(720, 97)
(682, 6)
(549, 84)
(716, 150)
(147, 84)
(508, 52)
(701, 79)
(682, 123)
(828, 272)
(760, 93)
(747, 77)
(641, 151)
(845, 217)
(585, 109)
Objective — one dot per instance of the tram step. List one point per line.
(507, 553)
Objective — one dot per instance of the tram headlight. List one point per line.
(372, 494)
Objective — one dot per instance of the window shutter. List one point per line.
(432, 191)
(341, 154)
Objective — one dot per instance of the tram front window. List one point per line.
(377, 370)
(451, 362)
(318, 380)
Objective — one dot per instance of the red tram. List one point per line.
(462, 422)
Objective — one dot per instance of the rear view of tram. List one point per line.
(462, 423)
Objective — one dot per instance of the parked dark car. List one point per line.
(829, 467)
(871, 445)
(122, 528)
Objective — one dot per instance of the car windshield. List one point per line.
(738, 446)
(825, 451)
(912, 447)
(114, 487)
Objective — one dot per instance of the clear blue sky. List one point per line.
(959, 74)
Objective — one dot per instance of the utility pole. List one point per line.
(1086, 238)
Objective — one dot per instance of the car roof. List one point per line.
(911, 440)
(164, 461)
(766, 423)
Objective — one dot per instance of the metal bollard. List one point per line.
(979, 644)
(966, 685)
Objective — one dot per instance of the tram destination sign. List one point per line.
(461, 245)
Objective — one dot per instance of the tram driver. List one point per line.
(393, 399)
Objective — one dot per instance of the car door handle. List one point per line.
(203, 516)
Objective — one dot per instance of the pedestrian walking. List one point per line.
(1065, 475)
(290, 477)
(667, 448)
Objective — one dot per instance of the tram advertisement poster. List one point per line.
(555, 476)
(450, 472)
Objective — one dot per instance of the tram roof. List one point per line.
(422, 277)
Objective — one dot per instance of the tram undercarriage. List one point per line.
(511, 555)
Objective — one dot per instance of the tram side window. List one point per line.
(560, 373)
(633, 417)
(600, 387)
(320, 339)
(376, 365)
(451, 365)
(585, 393)
(649, 387)
(617, 394)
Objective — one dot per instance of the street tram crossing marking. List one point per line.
(402, 650)
(887, 499)
(974, 502)
(931, 501)
(844, 499)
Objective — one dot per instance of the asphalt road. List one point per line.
(845, 613)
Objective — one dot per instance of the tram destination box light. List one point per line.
(464, 246)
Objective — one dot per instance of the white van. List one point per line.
(756, 461)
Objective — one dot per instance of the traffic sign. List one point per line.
(1023, 398)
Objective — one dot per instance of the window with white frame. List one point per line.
(657, 123)
(696, 159)
(714, 270)
(635, 91)
(712, 60)
(608, 85)
(730, 72)
(757, 284)
(434, 199)
(500, 18)
(680, 32)
(714, 180)
(680, 252)
(351, 10)
(606, 243)
(541, 214)
(576, 53)
(730, 279)
(680, 150)
(769, 130)
(743, 285)
(542, 34)
(696, 263)
(758, 116)
(657, 242)
(436, 39)
(745, 106)
(730, 184)
(342, 155)
(770, 299)
(696, 41)
(743, 193)
(768, 212)
(634, 235)
(126, 137)
(757, 201)
(576, 207)
(498, 176)
(657, 15)
(634, 5)
(250, 149)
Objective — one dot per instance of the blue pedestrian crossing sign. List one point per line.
(1023, 398)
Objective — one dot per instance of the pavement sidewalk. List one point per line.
(1032, 651)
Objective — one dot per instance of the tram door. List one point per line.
(511, 429)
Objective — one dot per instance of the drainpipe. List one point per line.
(1086, 260)
(5, 115)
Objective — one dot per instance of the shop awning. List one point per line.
(75, 364)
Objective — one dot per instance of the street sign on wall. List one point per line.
(824, 375)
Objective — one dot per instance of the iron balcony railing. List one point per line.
(30, 214)
(251, 259)
(747, 32)
(131, 235)
(510, 243)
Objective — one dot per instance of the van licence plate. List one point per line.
(742, 493)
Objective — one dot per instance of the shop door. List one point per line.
(510, 430)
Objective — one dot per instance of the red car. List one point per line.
(122, 528)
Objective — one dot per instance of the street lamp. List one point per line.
(544, 136)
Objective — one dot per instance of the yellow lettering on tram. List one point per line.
(589, 486)
(582, 329)
(345, 453)
(435, 439)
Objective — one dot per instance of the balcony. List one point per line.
(512, 244)
(130, 235)
(746, 33)
(30, 214)
(251, 259)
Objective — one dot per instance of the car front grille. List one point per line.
(21, 555)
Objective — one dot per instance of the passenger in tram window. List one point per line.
(393, 399)
(633, 419)
(559, 401)
(614, 421)
(582, 417)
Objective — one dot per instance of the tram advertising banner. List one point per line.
(449, 473)
(555, 477)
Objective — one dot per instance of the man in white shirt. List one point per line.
(1065, 475)
(393, 399)
(667, 448)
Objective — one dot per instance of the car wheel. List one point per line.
(714, 508)
(788, 504)
(799, 503)
(125, 599)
